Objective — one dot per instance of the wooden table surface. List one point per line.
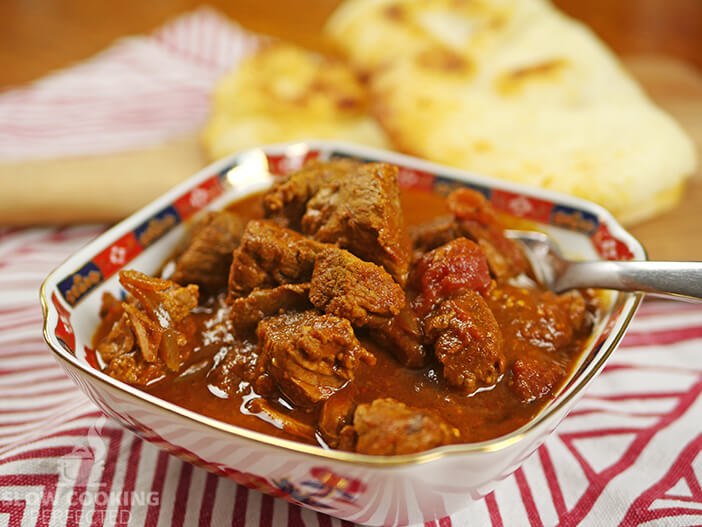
(660, 42)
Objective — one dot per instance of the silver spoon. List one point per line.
(680, 279)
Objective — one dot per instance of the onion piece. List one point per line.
(169, 349)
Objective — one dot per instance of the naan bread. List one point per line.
(515, 90)
(285, 93)
(377, 32)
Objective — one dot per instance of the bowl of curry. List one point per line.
(346, 328)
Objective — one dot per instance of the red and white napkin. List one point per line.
(139, 92)
(629, 454)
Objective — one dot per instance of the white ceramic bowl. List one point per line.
(366, 489)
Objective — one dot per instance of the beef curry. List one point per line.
(336, 309)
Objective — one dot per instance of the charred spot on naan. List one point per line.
(286, 93)
(512, 82)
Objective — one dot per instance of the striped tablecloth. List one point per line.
(629, 454)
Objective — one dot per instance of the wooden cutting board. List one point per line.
(677, 88)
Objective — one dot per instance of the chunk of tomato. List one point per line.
(459, 265)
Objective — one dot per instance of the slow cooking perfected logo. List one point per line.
(86, 458)
(83, 491)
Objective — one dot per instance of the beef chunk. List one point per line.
(133, 369)
(336, 413)
(310, 356)
(534, 379)
(388, 427)
(248, 311)
(457, 266)
(362, 213)
(345, 286)
(433, 234)
(286, 201)
(207, 257)
(478, 220)
(270, 255)
(538, 320)
(349, 204)
(232, 366)
(403, 337)
(467, 341)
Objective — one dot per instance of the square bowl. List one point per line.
(361, 488)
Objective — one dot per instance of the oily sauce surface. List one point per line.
(486, 414)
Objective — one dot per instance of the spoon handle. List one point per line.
(682, 279)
